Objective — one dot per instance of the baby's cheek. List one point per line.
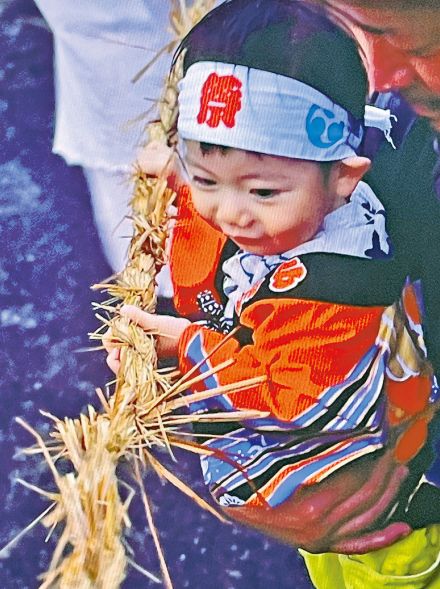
(277, 222)
(200, 204)
(208, 213)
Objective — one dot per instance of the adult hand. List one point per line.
(338, 514)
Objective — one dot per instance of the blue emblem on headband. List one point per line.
(322, 130)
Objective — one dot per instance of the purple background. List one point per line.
(50, 255)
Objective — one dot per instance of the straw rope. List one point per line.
(141, 413)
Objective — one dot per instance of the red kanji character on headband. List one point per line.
(220, 100)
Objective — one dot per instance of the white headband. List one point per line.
(245, 108)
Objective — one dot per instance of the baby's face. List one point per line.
(265, 204)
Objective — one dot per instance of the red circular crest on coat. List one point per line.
(220, 100)
(288, 275)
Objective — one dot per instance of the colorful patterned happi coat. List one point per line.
(335, 326)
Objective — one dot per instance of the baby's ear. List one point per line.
(349, 172)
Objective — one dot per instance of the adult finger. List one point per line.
(381, 486)
(369, 516)
(373, 540)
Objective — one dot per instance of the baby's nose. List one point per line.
(232, 213)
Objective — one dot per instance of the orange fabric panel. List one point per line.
(195, 251)
(408, 397)
(412, 440)
(302, 346)
(408, 401)
(411, 304)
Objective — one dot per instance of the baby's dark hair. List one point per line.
(285, 37)
(207, 148)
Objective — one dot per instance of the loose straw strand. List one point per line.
(138, 416)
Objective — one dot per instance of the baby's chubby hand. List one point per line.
(157, 159)
(168, 330)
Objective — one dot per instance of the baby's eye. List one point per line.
(264, 192)
(203, 182)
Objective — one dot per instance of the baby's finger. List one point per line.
(155, 159)
(108, 341)
(108, 345)
(113, 360)
(145, 320)
(373, 540)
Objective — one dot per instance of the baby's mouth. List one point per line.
(243, 239)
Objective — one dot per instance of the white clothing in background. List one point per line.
(110, 193)
(99, 46)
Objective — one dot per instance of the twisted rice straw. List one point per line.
(140, 414)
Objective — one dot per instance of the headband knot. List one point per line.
(380, 118)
